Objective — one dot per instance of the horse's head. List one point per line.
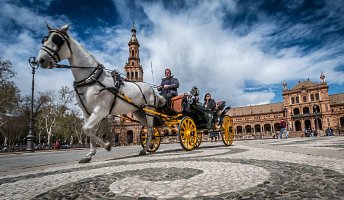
(55, 47)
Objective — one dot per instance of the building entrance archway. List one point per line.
(130, 137)
(248, 129)
(239, 129)
(267, 128)
(277, 127)
(341, 125)
(298, 125)
(257, 128)
(308, 124)
(318, 123)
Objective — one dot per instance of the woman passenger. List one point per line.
(209, 102)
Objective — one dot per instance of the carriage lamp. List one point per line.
(30, 137)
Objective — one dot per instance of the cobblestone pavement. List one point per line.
(260, 169)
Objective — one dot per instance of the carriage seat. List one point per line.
(177, 102)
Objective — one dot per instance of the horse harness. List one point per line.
(93, 78)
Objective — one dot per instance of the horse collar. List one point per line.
(91, 79)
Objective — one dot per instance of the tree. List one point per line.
(54, 109)
(104, 130)
(9, 97)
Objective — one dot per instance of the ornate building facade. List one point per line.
(305, 106)
(125, 131)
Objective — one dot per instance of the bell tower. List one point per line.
(133, 67)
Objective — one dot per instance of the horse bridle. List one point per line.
(59, 38)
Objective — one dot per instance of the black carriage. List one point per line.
(190, 120)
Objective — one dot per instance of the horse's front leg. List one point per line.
(90, 130)
(87, 158)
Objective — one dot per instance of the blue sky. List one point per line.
(240, 51)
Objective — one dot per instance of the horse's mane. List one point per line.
(84, 49)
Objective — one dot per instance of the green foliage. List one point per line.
(9, 93)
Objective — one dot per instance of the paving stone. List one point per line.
(247, 170)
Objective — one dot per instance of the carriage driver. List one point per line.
(168, 86)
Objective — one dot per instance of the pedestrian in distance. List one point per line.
(283, 125)
(312, 133)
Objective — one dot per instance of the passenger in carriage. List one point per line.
(168, 87)
(209, 102)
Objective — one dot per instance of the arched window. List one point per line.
(312, 97)
(297, 100)
(239, 129)
(316, 108)
(304, 98)
(305, 110)
(136, 75)
(128, 75)
(292, 100)
(317, 96)
(296, 111)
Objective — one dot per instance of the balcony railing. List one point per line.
(319, 114)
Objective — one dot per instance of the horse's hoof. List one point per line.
(142, 152)
(108, 146)
(85, 160)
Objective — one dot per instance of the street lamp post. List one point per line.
(315, 109)
(30, 137)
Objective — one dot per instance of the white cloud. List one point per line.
(201, 52)
(193, 42)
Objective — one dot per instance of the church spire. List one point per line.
(133, 67)
(133, 39)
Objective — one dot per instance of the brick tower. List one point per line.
(133, 67)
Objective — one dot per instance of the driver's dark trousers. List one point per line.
(168, 98)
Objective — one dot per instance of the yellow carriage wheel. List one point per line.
(199, 139)
(228, 131)
(155, 141)
(187, 133)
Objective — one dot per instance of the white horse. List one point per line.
(99, 93)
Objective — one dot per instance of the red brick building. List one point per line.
(306, 105)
